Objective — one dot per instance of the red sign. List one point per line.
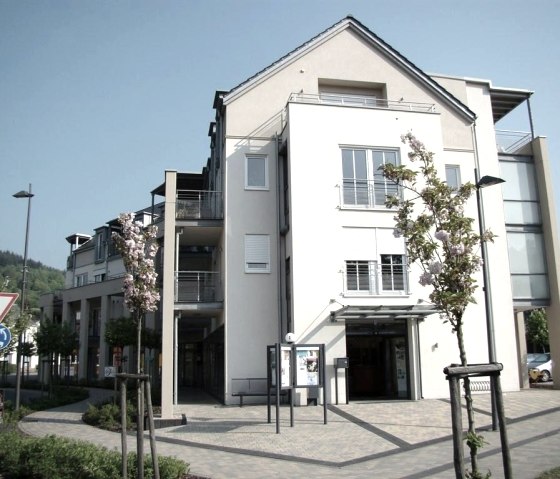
(7, 300)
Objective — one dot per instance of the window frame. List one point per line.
(351, 186)
(359, 277)
(456, 169)
(392, 266)
(266, 185)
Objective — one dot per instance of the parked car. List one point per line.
(539, 366)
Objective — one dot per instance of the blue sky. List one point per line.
(98, 98)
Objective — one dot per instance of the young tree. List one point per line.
(137, 246)
(441, 240)
(120, 332)
(536, 329)
(55, 339)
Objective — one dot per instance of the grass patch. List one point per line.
(552, 474)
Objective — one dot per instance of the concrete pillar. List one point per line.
(167, 303)
(84, 333)
(552, 245)
(519, 319)
(104, 358)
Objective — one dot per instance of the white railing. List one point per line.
(369, 278)
(511, 141)
(361, 193)
(361, 102)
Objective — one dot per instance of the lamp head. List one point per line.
(23, 194)
(489, 181)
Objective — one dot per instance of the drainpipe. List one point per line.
(279, 245)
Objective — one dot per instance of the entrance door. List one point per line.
(378, 359)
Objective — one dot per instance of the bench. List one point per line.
(241, 387)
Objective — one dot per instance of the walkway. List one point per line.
(397, 439)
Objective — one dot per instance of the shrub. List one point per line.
(108, 416)
(58, 458)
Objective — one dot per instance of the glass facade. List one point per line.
(527, 258)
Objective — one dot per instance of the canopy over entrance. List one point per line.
(361, 313)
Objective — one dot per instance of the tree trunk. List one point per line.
(468, 398)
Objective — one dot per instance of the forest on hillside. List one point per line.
(41, 279)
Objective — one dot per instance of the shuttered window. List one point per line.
(257, 253)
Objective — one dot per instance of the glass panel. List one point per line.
(529, 286)
(522, 213)
(256, 172)
(363, 278)
(452, 176)
(347, 164)
(520, 181)
(392, 272)
(526, 253)
(351, 277)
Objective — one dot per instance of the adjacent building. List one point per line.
(285, 230)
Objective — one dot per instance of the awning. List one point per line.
(365, 313)
(504, 100)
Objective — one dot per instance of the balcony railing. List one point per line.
(199, 205)
(362, 193)
(508, 141)
(197, 286)
(361, 102)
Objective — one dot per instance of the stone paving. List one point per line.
(397, 439)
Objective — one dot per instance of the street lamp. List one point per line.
(28, 195)
(484, 182)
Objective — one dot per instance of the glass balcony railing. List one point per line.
(199, 205)
(197, 286)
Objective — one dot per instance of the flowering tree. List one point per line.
(441, 240)
(137, 247)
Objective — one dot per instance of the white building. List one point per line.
(285, 229)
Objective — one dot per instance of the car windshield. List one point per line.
(538, 358)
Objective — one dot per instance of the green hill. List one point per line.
(40, 278)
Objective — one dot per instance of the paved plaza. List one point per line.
(374, 439)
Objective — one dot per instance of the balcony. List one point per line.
(197, 287)
(199, 205)
(358, 101)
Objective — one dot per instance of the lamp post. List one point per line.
(484, 182)
(28, 195)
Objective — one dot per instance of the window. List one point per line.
(100, 245)
(393, 272)
(257, 253)
(453, 176)
(363, 183)
(256, 173)
(99, 277)
(360, 276)
(81, 279)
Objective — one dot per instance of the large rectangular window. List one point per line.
(256, 173)
(363, 183)
(257, 253)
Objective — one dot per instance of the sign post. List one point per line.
(5, 337)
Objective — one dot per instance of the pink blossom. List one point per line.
(426, 279)
(442, 235)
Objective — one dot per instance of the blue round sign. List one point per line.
(5, 336)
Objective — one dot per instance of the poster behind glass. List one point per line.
(307, 366)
